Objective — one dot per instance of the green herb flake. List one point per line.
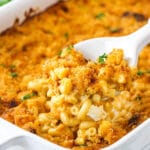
(3, 65)
(3, 2)
(59, 53)
(102, 58)
(100, 15)
(12, 68)
(13, 74)
(28, 96)
(140, 73)
(82, 145)
(70, 47)
(66, 35)
(115, 30)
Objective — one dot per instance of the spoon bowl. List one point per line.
(132, 44)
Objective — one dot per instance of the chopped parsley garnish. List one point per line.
(140, 73)
(102, 58)
(3, 65)
(28, 96)
(83, 145)
(13, 74)
(70, 47)
(12, 67)
(66, 49)
(66, 35)
(114, 30)
(3, 2)
(100, 15)
(59, 53)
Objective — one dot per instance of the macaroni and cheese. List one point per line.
(50, 89)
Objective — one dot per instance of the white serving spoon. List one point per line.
(132, 44)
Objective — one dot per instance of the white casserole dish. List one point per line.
(14, 138)
(19, 10)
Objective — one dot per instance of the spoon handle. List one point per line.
(136, 42)
(141, 37)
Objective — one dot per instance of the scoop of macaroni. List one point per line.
(76, 102)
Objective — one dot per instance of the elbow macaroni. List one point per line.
(68, 121)
(84, 109)
(65, 86)
(88, 115)
(91, 132)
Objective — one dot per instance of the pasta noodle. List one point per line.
(84, 109)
